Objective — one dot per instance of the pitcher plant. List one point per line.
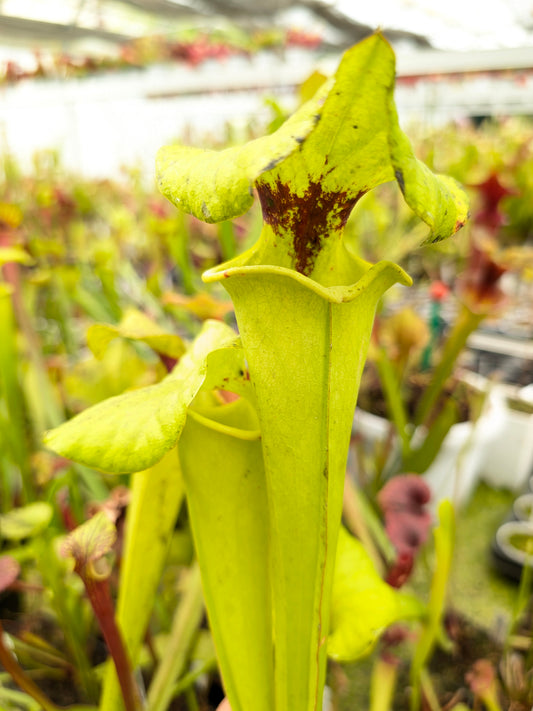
(264, 472)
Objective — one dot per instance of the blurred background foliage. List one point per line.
(93, 270)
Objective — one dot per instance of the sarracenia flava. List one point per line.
(265, 474)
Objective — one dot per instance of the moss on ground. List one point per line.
(476, 589)
(477, 593)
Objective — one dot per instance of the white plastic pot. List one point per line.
(508, 455)
(455, 470)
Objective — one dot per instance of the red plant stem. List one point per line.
(100, 598)
(19, 676)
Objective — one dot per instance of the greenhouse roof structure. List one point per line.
(455, 25)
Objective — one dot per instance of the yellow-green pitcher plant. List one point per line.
(264, 474)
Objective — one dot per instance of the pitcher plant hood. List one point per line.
(312, 171)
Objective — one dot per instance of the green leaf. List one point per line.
(13, 419)
(135, 326)
(187, 620)
(25, 522)
(433, 631)
(437, 199)
(394, 399)
(126, 433)
(362, 604)
(228, 509)
(418, 460)
(149, 530)
(131, 432)
(218, 185)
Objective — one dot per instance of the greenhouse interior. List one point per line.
(266, 355)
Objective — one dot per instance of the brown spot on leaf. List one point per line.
(307, 220)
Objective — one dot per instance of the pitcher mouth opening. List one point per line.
(334, 294)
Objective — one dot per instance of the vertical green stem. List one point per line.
(466, 323)
(444, 547)
(5, 479)
(361, 519)
(192, 701)
(156, 495)
(382, 684)
(393, 394)
(16, 439)
(430, 696)
(63, 305)
(53, 411)
(184, 629)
